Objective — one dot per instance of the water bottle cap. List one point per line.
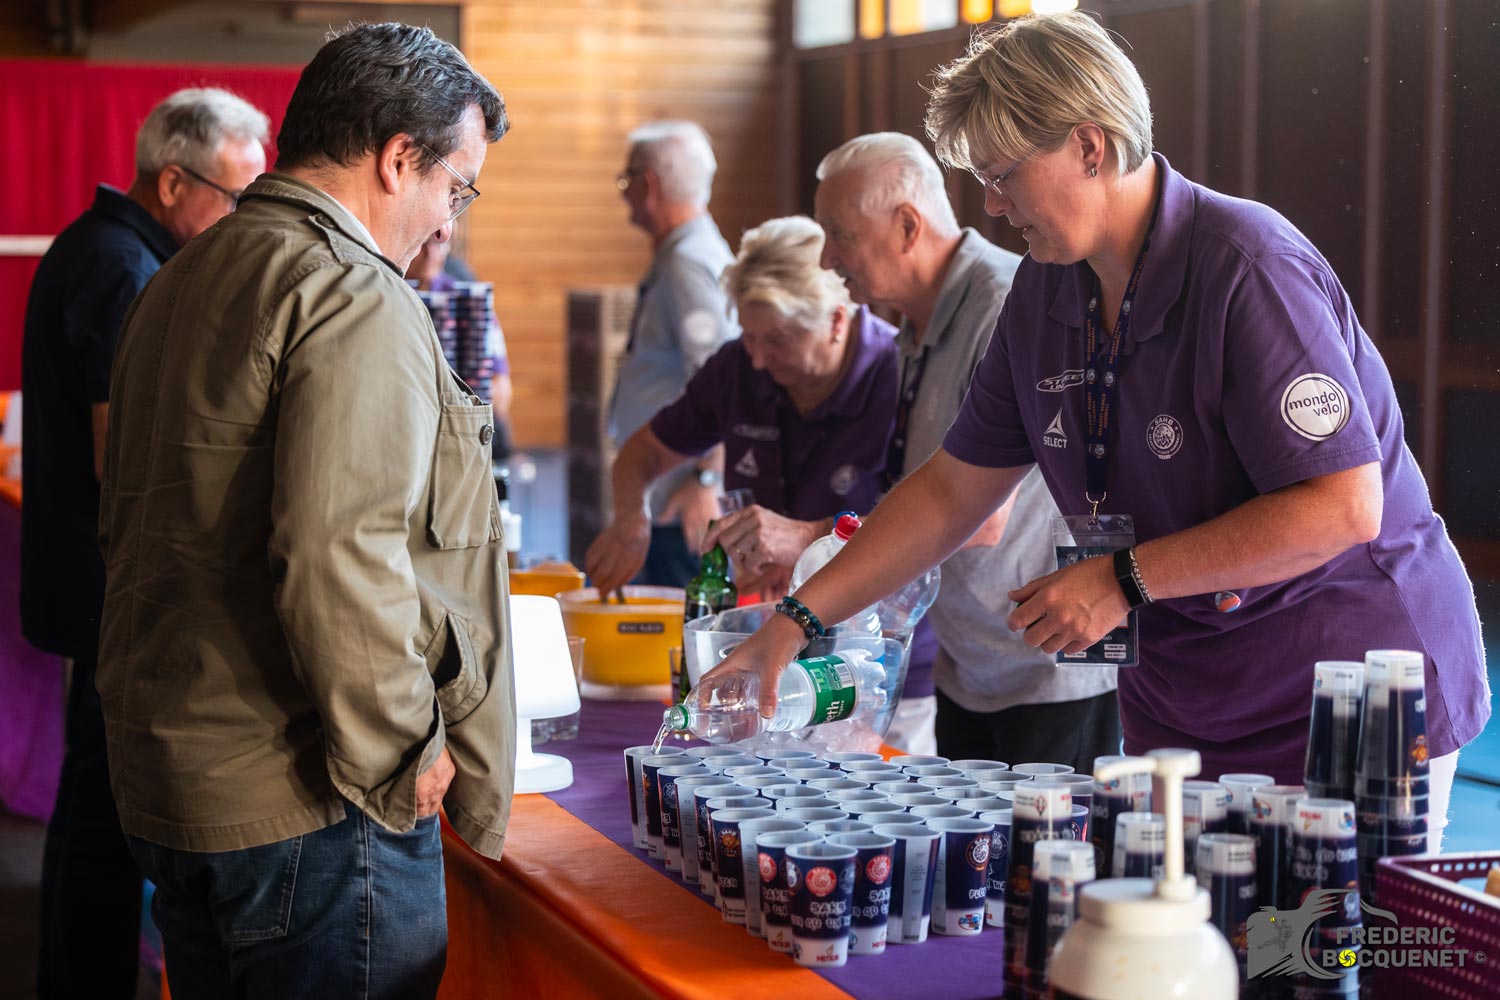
(846, 524)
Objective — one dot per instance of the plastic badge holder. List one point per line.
(1078, 537)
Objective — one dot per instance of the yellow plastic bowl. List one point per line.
(545, 581)
(625, 645)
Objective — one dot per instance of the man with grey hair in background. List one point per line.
(195, 153)
(681, 318)
(892, 234)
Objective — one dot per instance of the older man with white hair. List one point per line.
(195, 153)
(892, 235)
(682, 317)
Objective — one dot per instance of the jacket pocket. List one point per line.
(461, 685)
(464, 509)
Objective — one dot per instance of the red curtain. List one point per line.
(68, 126)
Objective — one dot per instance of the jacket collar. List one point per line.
(971, 248)
(292, 190)
(117, 205)
(1166, 264)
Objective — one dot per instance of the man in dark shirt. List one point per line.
(195, 152)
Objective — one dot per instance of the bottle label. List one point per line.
(833, 688)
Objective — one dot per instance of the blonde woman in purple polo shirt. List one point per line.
(1250, 429)
(803, 402)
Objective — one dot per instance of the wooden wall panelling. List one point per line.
(1160, 43)
(577, 75)
(1226, 100)
(822, 128)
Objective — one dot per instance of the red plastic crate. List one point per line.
(1423, 891)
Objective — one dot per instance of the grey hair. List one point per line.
(778, 264)
(899, 170)
(679, 154)
(188, 127)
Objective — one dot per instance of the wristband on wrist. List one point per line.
(1128, 575)
(805, 619)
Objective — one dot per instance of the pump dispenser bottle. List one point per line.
(1141, 940)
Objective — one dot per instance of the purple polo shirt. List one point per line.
(1246, 370)
(803, 466)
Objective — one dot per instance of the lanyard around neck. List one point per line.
(1101, 380)
(911, 382)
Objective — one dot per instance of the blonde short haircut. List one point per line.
(778, 266)
(1023, 87)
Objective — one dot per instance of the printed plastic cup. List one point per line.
(821, 880)
(1140, 845)
(1060, 867)
(840, 784)
(633, 758)
(994, 900)
(777, 793)
(1000, 781)
(911, 801)
(841, 757)
(913, 872)
(1131, 793)
(1333, 732)
(872, 770)
(1041, 812)
(961, 884)
(721, 765)
(706, 752)
(951, 781)
(775, 894)
(1273, 811)
(754, 771)
(687, 808)
(905, 786)
(1205, 809)
(924, 771)
(703, 796)
(852, 798)
(1239, 787)
(729, 866)
(811, 772)
(815, 801)
(763, 782)
(671, 815)
(870, 910)
(814, 815)
(948, 810)
(651, 819)
(1226, 868)
(778, 753)
(1038, 769)
(751, 830)
(875, 812)
(972, 764)
(1082, 786)
(791, 763)
(906, 760)
(963, 795)
(829, 827)
(987, 804)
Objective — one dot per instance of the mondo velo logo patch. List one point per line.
(1315, 406)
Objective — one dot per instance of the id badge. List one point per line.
(1079, 537)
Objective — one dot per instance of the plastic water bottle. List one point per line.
(814, 691)
(820, 553)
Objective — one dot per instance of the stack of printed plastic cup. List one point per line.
(1273, 812)
(1325, 875)
(1205, 809)
(1058, 869)
(1041, 812)
(1226, 868)
(1391, 784)
(1111, 798)
(1140, 845)
(1239, 787)
(1333, 734)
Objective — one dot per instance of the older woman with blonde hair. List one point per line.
(1191, 360)
(803, 401)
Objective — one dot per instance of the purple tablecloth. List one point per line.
(955, 968)
(31, 695)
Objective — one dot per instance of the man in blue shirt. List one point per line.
(195, 152)
(681, 318)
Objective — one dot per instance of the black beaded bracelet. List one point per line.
(803, 616)
(1128, 575)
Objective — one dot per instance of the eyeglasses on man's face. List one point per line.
(463, 197)
(233, 196)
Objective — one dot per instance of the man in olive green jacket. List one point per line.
(304, 633)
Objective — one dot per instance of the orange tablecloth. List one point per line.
(569, 913)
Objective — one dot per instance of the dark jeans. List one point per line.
(91, 887)
(668, 561)
(1064, 732)
(348, 911)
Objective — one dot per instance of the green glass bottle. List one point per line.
(708, 593)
